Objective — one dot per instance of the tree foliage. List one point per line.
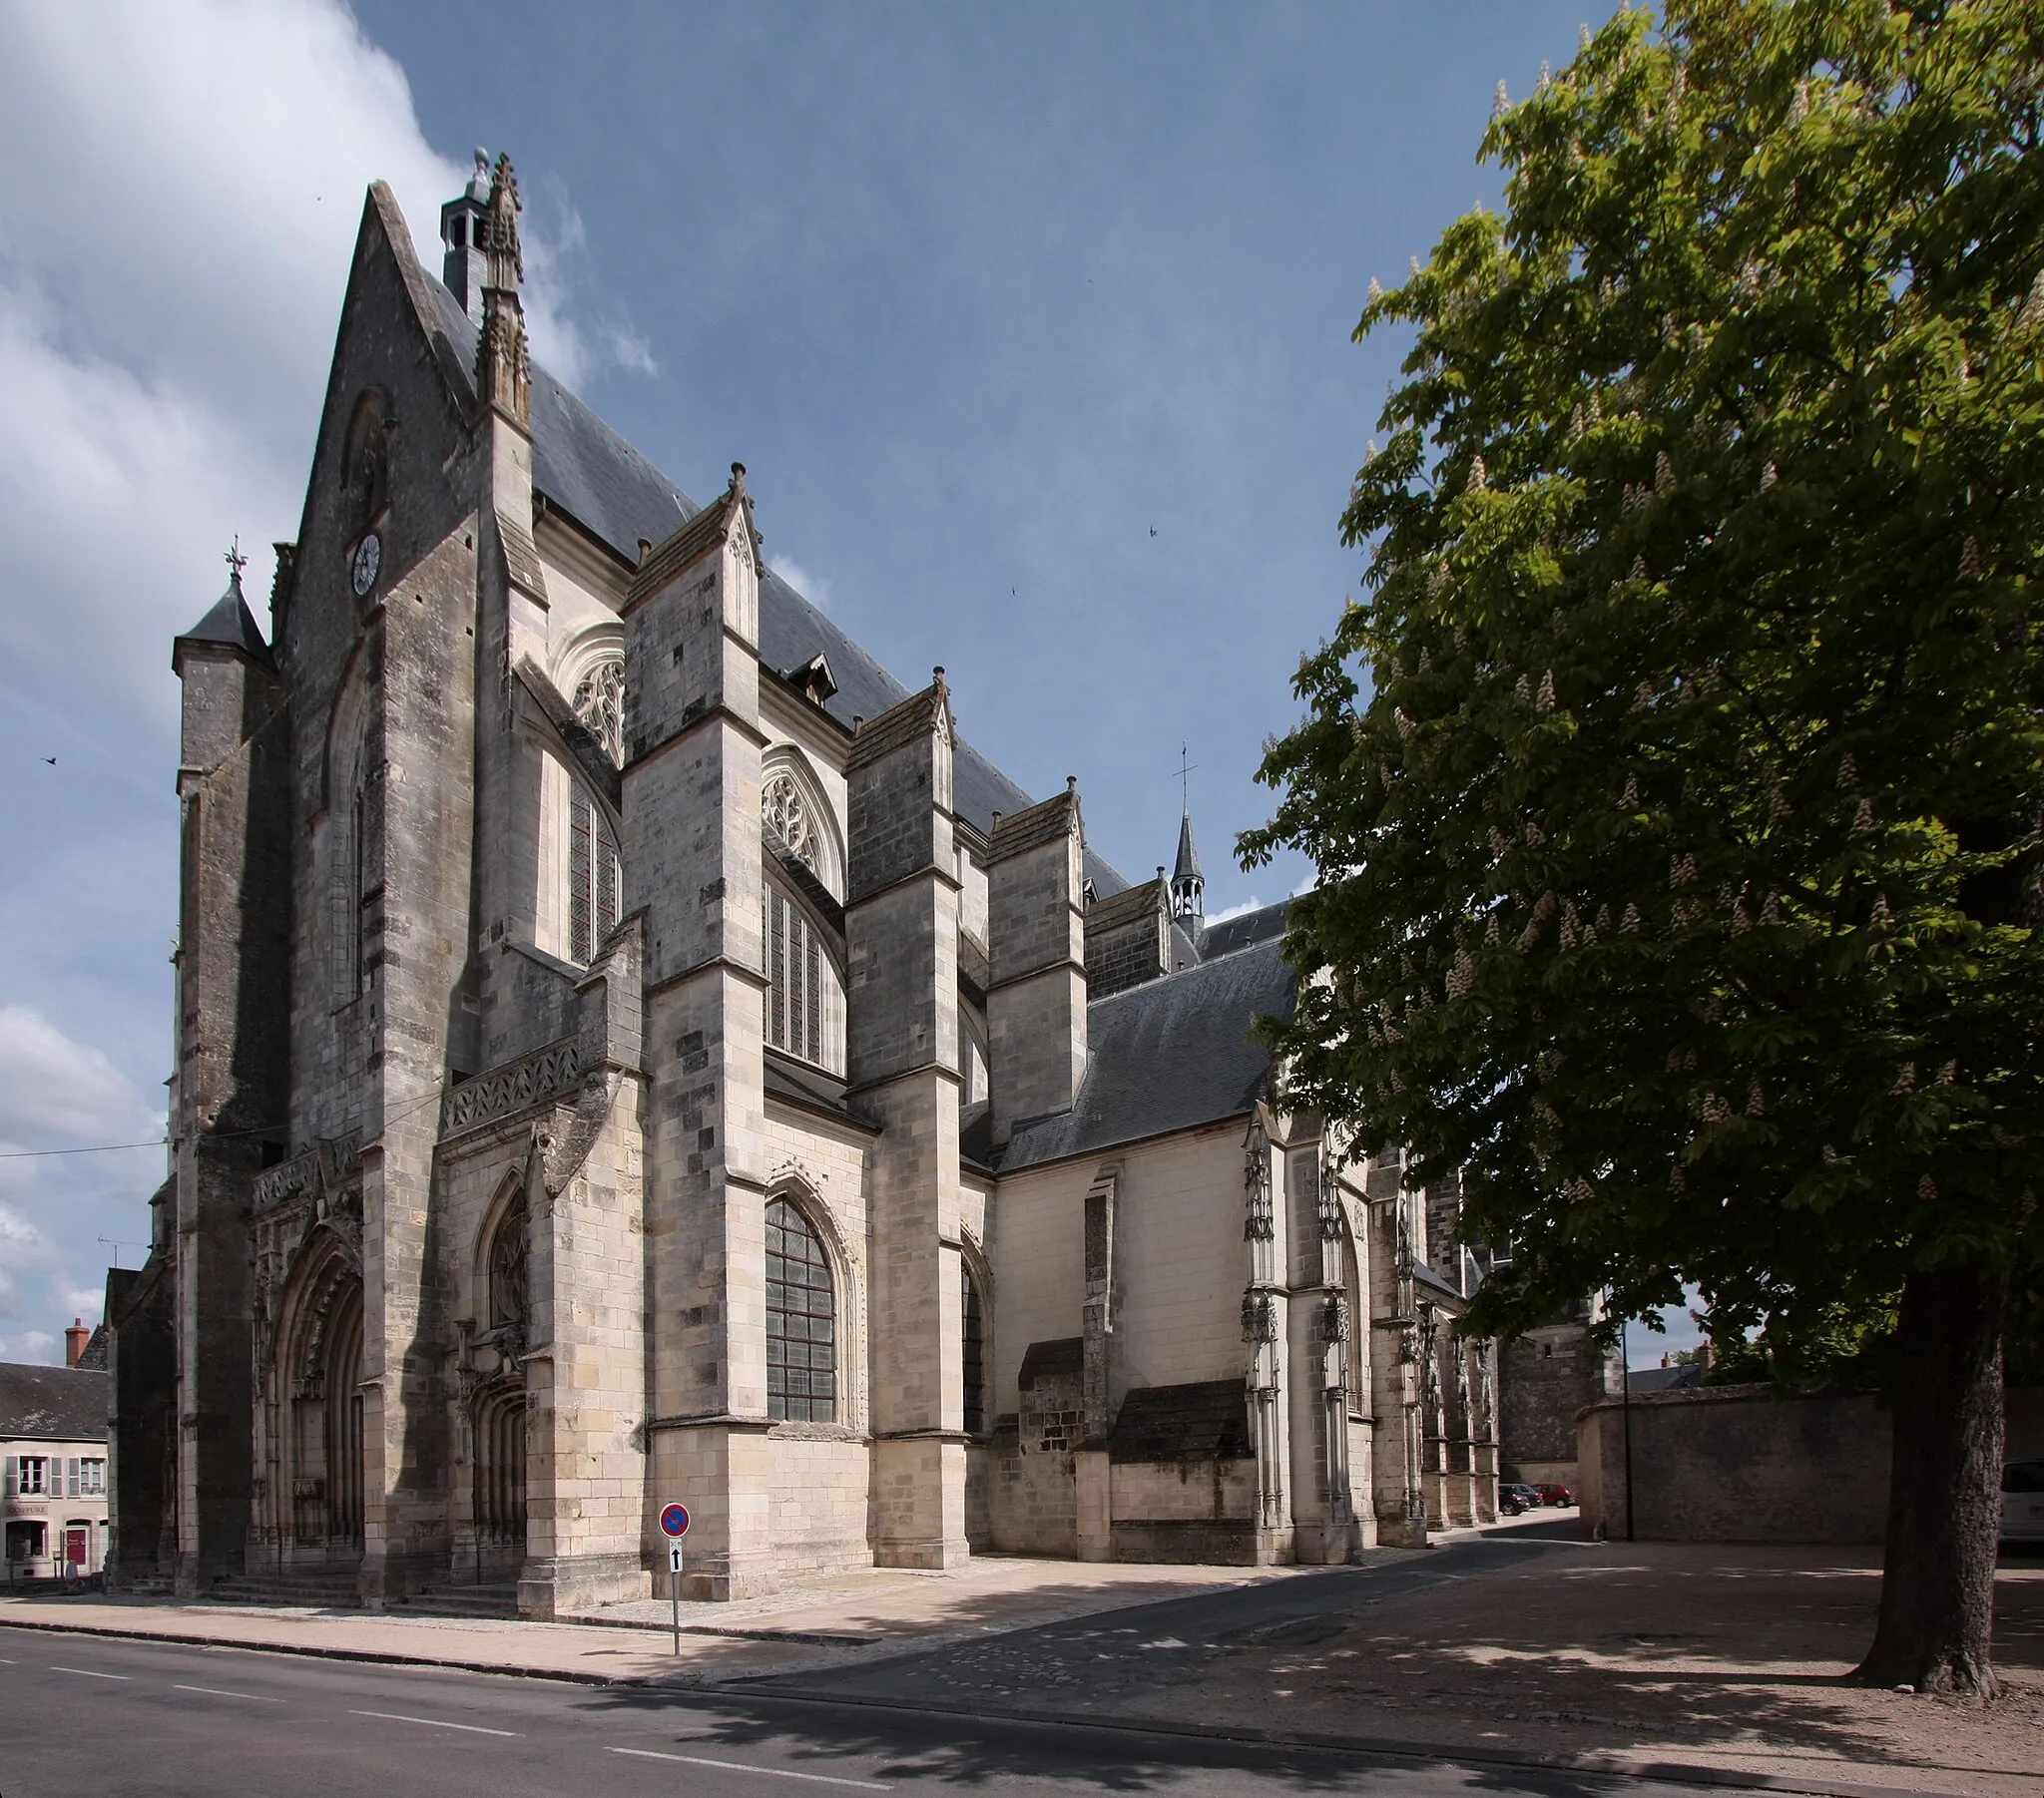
(1675, 788)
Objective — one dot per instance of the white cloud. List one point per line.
(812, 588)
(185, 184)
(31, 1346)
(1250, 904)
(59, 1094)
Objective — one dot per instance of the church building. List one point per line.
(633, 1049)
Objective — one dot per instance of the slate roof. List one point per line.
(1168, 1054)
(1240, 932)
(53, 1404)
(1206, 1420)
(230, 623)
(585, 469)
(1665, 1379)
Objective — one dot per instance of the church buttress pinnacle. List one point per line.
(503, 357)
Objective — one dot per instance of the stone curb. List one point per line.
(1389, 1747)
(376, 1656)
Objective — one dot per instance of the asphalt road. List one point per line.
(1095, 1666)
(125, 1718)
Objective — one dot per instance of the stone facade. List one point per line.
(632, 1049)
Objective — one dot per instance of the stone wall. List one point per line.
(1755, 1464)
(1544, 1379)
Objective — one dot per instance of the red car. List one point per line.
(1551, 1494)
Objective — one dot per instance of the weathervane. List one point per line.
(1185, 771)
(235, 559)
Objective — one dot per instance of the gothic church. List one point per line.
(630, 1048)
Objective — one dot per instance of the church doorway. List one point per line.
(324, 1438)
(500, 1479)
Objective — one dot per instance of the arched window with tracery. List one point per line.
(509, 1288)
(788, 813)
(600, 703)
(595, 877)
(802, 1320)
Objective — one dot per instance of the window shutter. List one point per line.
(10, 1478)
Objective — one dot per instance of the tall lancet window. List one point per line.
(600, 703)
(595, 877)
(801, 1321)
(805, 998)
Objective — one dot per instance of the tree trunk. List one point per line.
(1944, 1495)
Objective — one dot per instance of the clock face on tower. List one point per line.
(369, 559)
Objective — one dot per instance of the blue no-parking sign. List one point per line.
(674, 1520)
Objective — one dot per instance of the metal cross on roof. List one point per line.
(1185, 771)
(235, 559)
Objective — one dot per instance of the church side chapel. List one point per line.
(632, 1049)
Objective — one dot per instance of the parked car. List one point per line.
(1549, 1493)
(1519, 1495)
(2022, 1502)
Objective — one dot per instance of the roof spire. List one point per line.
(1188, 885)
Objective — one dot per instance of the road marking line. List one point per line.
(88, 1673)
(214, 1692)
(739, 1766)
(391, 1716)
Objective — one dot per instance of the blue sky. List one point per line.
(1030, 326)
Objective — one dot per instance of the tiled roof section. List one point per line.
(53, 1404)
(1125, 907)
(689, 543)
(1048, 822)
(1240, 932)
(1046, 1360)
(918, 716)
(1172, 1054)
(92, 1357)
(585, 469)
(1203, 1420)
(232, 624)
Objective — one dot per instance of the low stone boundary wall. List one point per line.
(1753, 1464)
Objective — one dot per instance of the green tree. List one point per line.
(1675, 789)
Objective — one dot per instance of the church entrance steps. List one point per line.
(492, 1600)
(326, 1588)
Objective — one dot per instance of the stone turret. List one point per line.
(465, 266)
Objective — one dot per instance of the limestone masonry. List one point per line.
(631, 1049)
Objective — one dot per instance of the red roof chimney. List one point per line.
(74, 1340)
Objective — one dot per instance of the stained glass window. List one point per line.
(595, 877)
(975, 1353)
(801, 1321)
(805, 1011)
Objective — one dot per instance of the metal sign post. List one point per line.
(673, 1587)
(674, 1524)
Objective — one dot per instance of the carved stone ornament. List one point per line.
(1261, 1226)
(562, 1151)
(1259, 1317)
(600, 705)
